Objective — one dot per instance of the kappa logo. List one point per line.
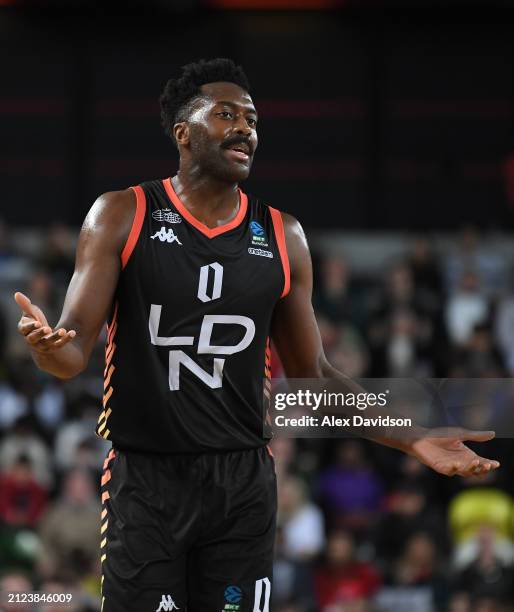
(166, 215)
(167, 604)
(260, 252)
(166, 235)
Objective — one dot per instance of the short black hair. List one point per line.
(179, 93)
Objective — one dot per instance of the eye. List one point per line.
(251, 122)
(225, 114)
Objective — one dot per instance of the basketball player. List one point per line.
(194, 276)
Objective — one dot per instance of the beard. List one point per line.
(210, 158)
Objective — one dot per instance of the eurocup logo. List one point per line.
(233, 594)
(257, 229)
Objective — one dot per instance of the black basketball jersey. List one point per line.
(187, 346)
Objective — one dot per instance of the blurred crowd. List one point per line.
(361, 528)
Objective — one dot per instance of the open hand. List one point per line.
(34, 326)
(444, 451)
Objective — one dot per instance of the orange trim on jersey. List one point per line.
(109, 458)
(107, 396)
(113, 321)
(210, 232)
(106, 477)
(137, 224)
(278, 225)
(109, 374)
(112, 331)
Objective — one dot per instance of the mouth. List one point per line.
(239, 152)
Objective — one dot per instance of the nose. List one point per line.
(241, 125)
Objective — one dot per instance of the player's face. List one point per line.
(223, 132)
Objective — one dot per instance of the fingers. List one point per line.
(65, 339)
(57, 339)
(479, 467)
(478, 436)
(44, 340)
(28, 325)
(38, 334)
(29, 308)
(23, 301)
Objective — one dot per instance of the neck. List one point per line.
(212, 201)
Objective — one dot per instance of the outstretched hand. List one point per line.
(34, 326)
(444, 451)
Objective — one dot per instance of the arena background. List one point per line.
(387, 129)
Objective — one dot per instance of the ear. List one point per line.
(181, 133)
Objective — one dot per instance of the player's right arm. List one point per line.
(64, 350)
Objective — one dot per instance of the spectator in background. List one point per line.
(22, 440)
(292, 580)
(301, 521)
(418, 569)
(332, 298)
(400, 329)
(69, 531)
(76, 444)
(77, 603)
(344, 347)
(39, 398)
(14, 406)
(504, 325)
(488, 577)
(13, 582)
(341, 578)
(407, 513)
(42, 394)
(403, 349)
(465, 309)
(472, 513)
(57, 257)
(350, 490)
(480, 357)
(473, 255)
(425, 270)
(22, 499)
(429, 290)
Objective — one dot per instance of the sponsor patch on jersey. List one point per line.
(166, 215)
(259, 237)
(233, 597)
(260, 252)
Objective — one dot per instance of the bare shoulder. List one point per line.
(295, 236)
(297, 247)
(292, 226)
(111, 217)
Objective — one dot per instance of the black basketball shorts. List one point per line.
(188, 532)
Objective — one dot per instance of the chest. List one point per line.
(234, 272)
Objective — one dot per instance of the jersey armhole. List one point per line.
(137, 224)
(278, 226)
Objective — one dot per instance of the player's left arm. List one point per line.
(297, 338)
